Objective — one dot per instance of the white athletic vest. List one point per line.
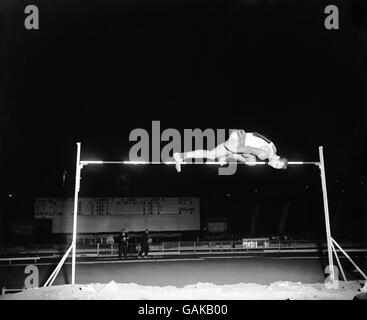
(255, 140)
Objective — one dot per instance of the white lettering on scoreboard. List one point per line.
(112, 214)
(253, 243)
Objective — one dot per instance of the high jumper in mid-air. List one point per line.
(241, 146)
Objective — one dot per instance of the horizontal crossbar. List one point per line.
(189, 162)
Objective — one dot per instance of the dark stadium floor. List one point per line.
(180, 271)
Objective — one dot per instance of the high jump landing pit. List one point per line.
(210, 278)
(281, 290)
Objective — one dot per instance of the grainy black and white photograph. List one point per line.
(183, 150)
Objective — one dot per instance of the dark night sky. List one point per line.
(96, 70)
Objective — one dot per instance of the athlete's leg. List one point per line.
(221, 151)
(218, 152)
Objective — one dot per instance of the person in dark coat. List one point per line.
(123, 241)
(144, 244)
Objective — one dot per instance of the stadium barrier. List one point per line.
(264, 245)
(10, 259)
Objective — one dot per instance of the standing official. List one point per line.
(144, 244)
(123, 241)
